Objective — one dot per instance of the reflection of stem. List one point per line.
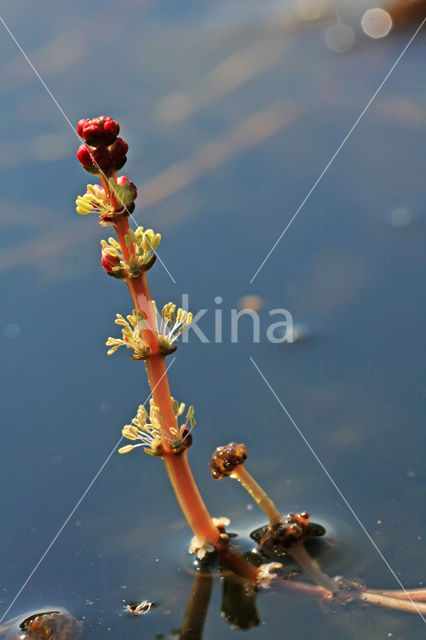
(239, 602)
(198, 604)
(311, 567)
(257, 493)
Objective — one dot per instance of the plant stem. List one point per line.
(177, 466)
(189, 497)
(393, 603)
(257, 493)
(415, 595)
(297, 551)
(239, 565)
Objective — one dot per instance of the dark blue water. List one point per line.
(349, 270)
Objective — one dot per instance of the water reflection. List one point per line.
(238, 606)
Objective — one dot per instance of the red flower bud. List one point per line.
(102, 159)
(109, 261)
(85, 157)
(111, 128)
(98, 131)
(123, 181)
(126, 193)
(118, 153)
(80, 126)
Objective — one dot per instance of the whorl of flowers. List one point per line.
(144, 244)
(97, 200)
(151, 430)
(172, 324)
(133, 337)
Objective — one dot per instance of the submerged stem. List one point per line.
(393, 603)
(414, 595)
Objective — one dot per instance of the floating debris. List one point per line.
(44, 625)
(139, 609)
(51, 625)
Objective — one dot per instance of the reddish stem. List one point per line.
(393, 603)
(414, 595)
(177, 466)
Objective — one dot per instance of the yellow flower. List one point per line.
(172, 324)
(93, 201)
(151, 432)
(132, 333)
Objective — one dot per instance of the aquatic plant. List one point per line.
(166, 430)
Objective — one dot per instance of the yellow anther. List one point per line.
(126, 449)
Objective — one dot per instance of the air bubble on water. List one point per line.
(340, 37)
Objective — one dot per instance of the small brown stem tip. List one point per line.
(226, 459)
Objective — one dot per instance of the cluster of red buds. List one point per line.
(102, 152)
